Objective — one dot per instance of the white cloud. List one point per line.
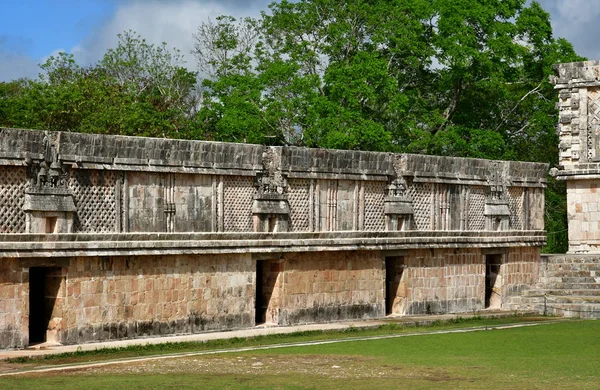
(577, 12)
(14, 63)
(575, 20)
(172, 22)
(15, 66)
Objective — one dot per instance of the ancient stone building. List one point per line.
(578, 86)
(569, 284)
(106, 237)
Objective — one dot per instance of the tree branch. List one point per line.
(505, 118)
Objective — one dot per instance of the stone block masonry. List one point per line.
(567, 284)
(123, 297)
(579, 160)
(334, 287)
(109, 237)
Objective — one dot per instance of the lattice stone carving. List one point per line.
(375, 192)
(299, 199)
(238, 195)
(593, 134)
(13, 183)
(477, 208)
(515, 205)
(421, 194)
(94, 195)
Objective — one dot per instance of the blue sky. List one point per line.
(37, 27)
(32, 30)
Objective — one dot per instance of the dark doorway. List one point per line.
(268, 294)
(492, 269)
(394, 267)
(44, 283)
(259, 307)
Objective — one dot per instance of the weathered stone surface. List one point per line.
(579, 162)
(168, 236)
(569, 285)
(329, 287)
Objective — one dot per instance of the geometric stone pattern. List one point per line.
(238, 195)
(593, 134)
(13, 183)
(515, 205)
(421, 194)
(343, 205)
(126, 285)
(170, 192)
(375, 192)
(299, 199)
(578, 91)
(476, 208)
(94, 196)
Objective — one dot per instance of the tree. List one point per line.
(466, 78)
(460, 78)
(136, 89)
(144, 68)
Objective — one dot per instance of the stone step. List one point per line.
(569, 273)
(551, 278)
(565, 309)
(548, 282)
(560, 299)
(571, 259)
(561, 292)
(568, 286)
(593, 300)
(571, 267)
(570, 279)
(570, 310)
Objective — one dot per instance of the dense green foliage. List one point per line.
(464, 78)
(136, 89)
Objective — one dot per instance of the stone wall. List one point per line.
(113, 184)
(442, 281)
(520, 271)
(332, 286)
(14, 306)
(584, 215)
(454, 280)
(108, 237)
(112, 298)
(579, 159)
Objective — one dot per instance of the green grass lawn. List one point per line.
(559, 355)
(390, 328)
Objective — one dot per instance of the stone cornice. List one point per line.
(90, 245)
(139, 154)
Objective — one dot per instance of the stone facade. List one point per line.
(569, 284)
(107, 237)
(579, 160)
